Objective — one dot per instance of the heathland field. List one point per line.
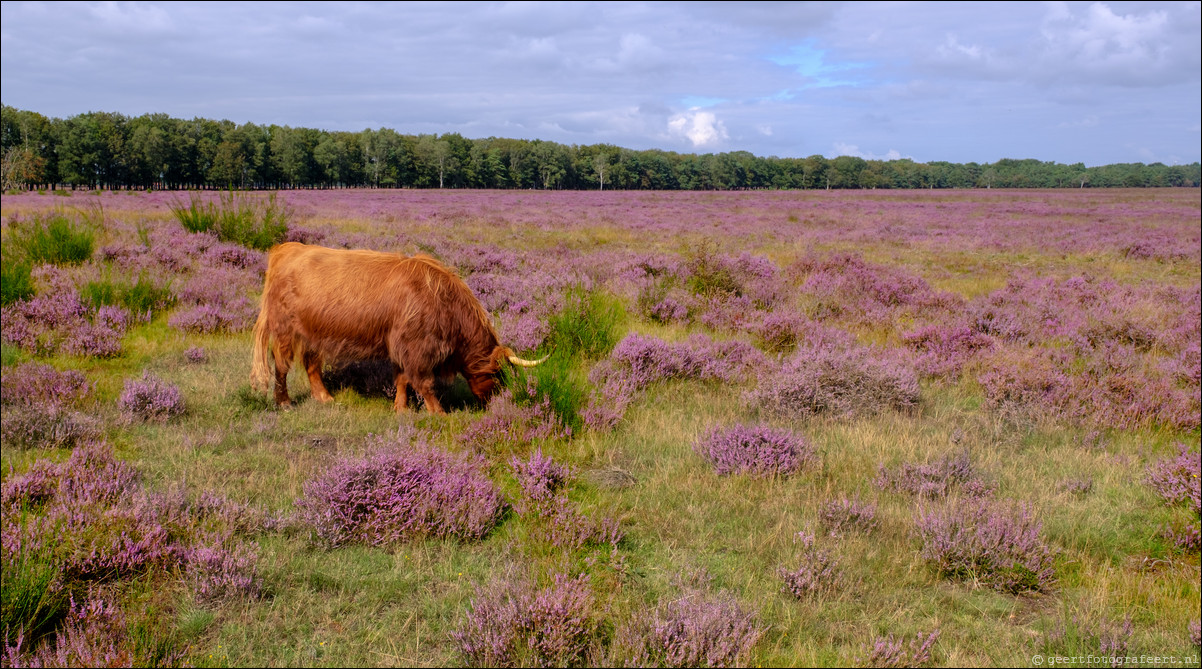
(874, 428)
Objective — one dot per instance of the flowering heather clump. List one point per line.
(542, 482)
(34, 383)
(983, 541)
(214, 299)
(645, 360)
(400, 492)
(196, 355)
(816, 574)
(523, 331)
(516, 624)
(844, 284)
(47, 426)
(943, 351)
(667, 310)
(694, 630)
(90, 520)
(890, 652)
(571, 530)
(710, 274)
(1077, 486)
(150, 399)
(780, 331)
(539, 477)
(1195, 632)
(59, 322)
(838, 381)
(1177, 479)
(507, 424)
(756, 450)
(1104, 637)
(935, 480)
(217, 572)
(39, 403)
(608, 404)
(839, 516)
(236, 256)
(1039, 382)
(93, 634)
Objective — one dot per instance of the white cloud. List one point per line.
(844, 149)
(702, 128)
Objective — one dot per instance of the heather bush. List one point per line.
(1043, 383)
(196, 355)
(844, 285)
(508, 423)
(514, 623)
(944, 351)
(216, 571)
(34, 383)
(987, 542)
(644, 360)
(562, 524)
(756, 450)
(696, 629)
(780, 331)
(150, 399)
(1178, 480)
(58, 322)
(92, 634)
(710, 274)
(539, 477)
(837, 381)
(399, 492)
(817, 573)
(214, 299)
(47, 426)
(1093, 634)
(607, 404)
(71, 526)
(839, 516)
(40, 407)
(951, 473)
(889, 652)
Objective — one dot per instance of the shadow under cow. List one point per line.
(375, 379)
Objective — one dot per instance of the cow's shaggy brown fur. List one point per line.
(330, 304)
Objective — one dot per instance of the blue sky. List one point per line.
(1093, 82)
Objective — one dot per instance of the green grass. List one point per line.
(53, 238)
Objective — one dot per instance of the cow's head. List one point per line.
(487, 381)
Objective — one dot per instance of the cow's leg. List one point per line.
(402, 390)
(313, 363)
(283, 360)
(424, 385)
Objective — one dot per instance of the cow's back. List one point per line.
(349, 303)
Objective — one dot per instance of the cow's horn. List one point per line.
(527, 363)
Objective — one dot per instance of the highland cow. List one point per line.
(327, 304)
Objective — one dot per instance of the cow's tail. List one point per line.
(260, 363)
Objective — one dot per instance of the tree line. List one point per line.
(154, 151)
